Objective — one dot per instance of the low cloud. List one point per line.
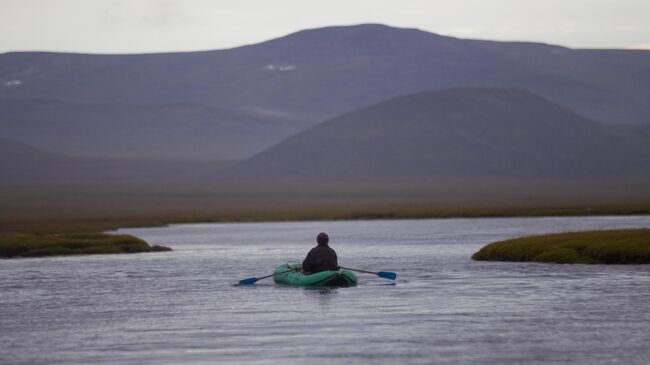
(639, 47)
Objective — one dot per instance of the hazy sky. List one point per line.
(128, 26)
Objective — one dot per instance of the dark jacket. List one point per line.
(320, 258)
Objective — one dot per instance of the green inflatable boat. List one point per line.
(287, 274)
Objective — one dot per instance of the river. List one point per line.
(182, 307)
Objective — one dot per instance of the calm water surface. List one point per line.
(182, 307)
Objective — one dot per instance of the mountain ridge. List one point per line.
(233, 103)
(478, 132)
(317, 74)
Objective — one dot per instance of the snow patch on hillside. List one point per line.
(280, 68)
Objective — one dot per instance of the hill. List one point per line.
(456, 133)
(317, 74)
(165, 131)
(25, 165)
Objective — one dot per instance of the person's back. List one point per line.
(321, 257)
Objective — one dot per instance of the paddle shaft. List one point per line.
(382, 274)
(250, 281)
(364, 271)
(277, 273)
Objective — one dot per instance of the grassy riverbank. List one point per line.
(96, 208)
(34, 245)
(46, 211)
(628, 246)
(111, 205)
(98, 222)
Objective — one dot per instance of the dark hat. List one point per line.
(322, 239)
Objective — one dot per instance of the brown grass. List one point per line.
(104, 207)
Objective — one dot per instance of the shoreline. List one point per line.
(103, 223)
(47, 232)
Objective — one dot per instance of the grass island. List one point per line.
(13, 245)
(621, 246)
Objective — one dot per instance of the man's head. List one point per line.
(322, 239)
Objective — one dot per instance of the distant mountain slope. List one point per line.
(22, 164)
(456, 133)
(317, 74)
(17, 155)
(171, 131)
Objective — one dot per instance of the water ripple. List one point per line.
(183, 307)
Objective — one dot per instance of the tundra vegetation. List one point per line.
(50, 212)
(33, 245)
(622, 246)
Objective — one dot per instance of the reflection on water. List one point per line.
(321, 296)
(182, 307)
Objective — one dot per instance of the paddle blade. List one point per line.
(248, 281)
(387, 275)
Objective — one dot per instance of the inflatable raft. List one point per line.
(288, 274)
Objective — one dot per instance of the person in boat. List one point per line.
(321, 257)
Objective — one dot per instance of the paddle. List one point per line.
(253, 280)
(382, 274)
